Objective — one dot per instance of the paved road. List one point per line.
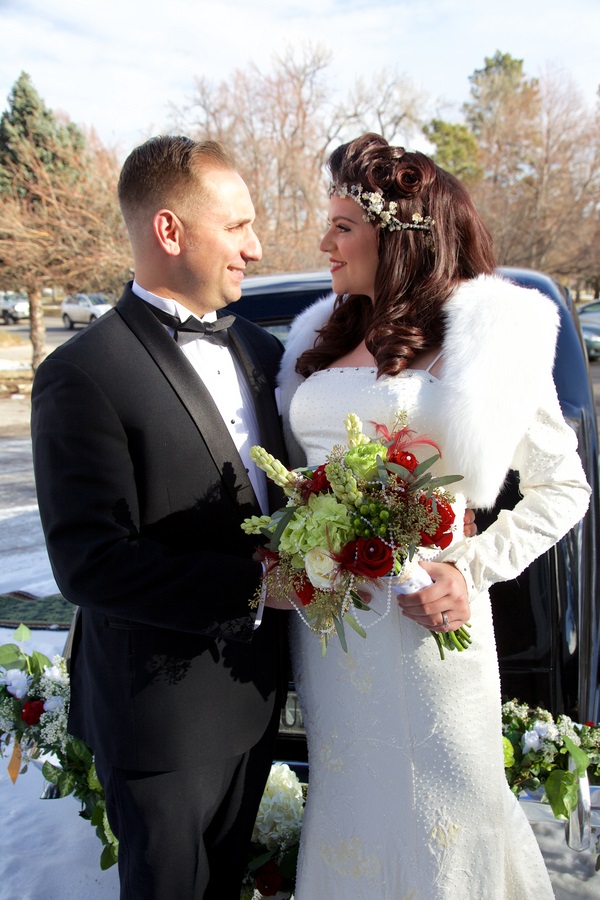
(56, 333)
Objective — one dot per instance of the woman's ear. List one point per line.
(168, 230)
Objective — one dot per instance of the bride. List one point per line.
(407, 795)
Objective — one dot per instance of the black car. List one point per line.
(548, 620)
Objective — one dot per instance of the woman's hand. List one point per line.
(469, 526)
(441, 606)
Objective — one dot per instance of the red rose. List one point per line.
(368, 557)
(443, 536)
(32, 711)
(268, 879)
(403, 458)
(318, 482)
(590, 724)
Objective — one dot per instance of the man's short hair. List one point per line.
(164, 171)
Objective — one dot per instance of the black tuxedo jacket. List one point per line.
(141, 494)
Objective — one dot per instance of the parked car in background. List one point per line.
(13, 307)
(589, 313)
(591, 337)
(547, 621)
(81, 309)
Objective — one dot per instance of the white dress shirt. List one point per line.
(224, 378)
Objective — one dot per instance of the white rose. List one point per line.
(52, 704)
(17, 682)
(320, 568)
(546, 730)
(531, 741)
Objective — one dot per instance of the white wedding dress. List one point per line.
(407, 797)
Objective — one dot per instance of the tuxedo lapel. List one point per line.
(263, 393)
(193, 395)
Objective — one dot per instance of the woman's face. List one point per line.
(352, 247)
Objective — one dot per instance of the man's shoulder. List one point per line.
(257, 335)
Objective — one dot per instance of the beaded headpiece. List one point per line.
(377, 207)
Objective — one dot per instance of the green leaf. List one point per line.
(359, 603)
(579, 756)
(66, 783)
(397, 469)
(382, 470)
(109, 857)
(79, 751)
(38, 663)
(341, 633)
(288, 863)
(97, 817)
(12, 657)
(354, 624)
(259, 861)
(420, 483)
(561, 791)
(447, 479)
(426, 464)
(282, 517)
(22, 633)
(51, 772)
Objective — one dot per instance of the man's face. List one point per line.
(217, 242)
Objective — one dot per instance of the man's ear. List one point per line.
(167, 229)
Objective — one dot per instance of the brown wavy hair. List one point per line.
(415, 275)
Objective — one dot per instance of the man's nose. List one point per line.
(253, 249)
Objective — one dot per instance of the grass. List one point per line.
(35, 612)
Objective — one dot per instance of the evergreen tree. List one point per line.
(27, 121)
(456, 149)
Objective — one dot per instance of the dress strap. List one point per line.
(433, 362)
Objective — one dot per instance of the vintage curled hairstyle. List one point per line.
(418, 269)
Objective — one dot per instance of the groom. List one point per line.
(141, 429)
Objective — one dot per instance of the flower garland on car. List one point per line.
(276, 837)
(370, 510)
(34, 708)
(541, 753)
(34, 702)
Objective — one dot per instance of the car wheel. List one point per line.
(67, 322)
(6, 318)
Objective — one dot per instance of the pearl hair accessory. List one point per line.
(376, 207)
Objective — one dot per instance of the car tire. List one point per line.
(67, 322)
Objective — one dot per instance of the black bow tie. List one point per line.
(193, 328)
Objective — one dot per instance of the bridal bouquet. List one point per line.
(34, 706)
(369, 511)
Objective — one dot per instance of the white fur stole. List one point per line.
(496, 372)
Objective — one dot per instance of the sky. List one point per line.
(122, 65)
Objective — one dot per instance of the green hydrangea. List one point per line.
(322, 523)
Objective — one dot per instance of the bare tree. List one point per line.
(65, 228)
(281, 126)
(539, 153)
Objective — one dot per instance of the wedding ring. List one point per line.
(445, 620)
